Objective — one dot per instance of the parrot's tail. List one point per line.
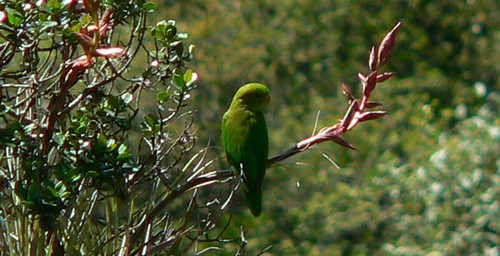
(254, 200)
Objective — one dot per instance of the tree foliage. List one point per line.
(110, 140)
(84, 166)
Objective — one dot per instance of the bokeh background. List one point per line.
(425, 179)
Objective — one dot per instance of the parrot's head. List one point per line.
(253, 96)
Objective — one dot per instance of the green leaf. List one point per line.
(124, 157)
(81, 129)
(76, 178)
(60, 186)
(48, 25)
(122, 149)
(190, 77)
(178, 81)
(92, 174)
(112, 102)
(111, 145)
(14, 17)
(156, 33)
(170, 32)
(58, 138)
(65, 195)
(151, 121)
(51, 191)
(48, 203)
(102, 142)
(33, 191)
(149, 6)
(86, 20)
(161, 26)
(53, 4)
(162, 96)
(28, 203)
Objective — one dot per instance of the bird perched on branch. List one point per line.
(245, 140)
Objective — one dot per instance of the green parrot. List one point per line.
(244, 136)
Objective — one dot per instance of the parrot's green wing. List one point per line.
(244, 135)
(245, 139)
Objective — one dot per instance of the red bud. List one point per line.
(371, 115)
(387, 44)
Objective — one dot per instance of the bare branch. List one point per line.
(202, 180)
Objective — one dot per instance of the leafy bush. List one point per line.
(103, 149)
(76, 175)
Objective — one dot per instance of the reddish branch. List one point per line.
(359, 109)
(88, 38)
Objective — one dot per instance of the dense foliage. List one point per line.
(86, 169)
(104, 127)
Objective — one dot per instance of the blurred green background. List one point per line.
(425, 178)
